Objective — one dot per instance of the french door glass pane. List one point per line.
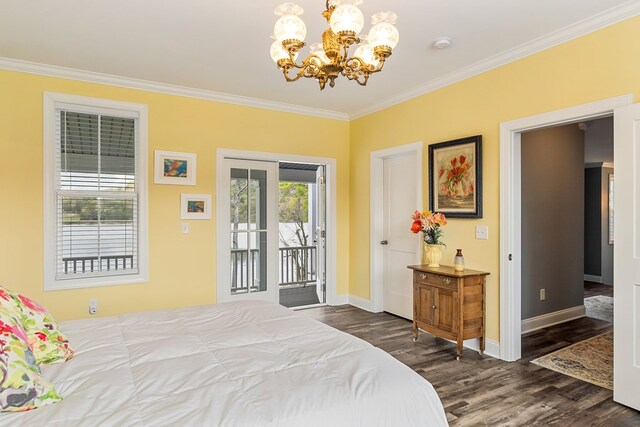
(239, 198)
(257, 199)
(258, 278)
(239, 263)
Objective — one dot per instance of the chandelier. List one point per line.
(330, 58)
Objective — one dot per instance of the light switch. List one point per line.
(482, 232)
(185, 228)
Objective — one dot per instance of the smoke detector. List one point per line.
(442, 43)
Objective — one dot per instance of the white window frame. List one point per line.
(51, 102)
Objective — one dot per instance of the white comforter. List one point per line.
(235, 364)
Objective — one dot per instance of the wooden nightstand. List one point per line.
(449, 304)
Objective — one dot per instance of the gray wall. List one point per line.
(552, 219)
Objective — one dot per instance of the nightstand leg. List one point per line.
(459, 353)
(415, 332)
(482, 344)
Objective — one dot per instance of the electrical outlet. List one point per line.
(542, 294)
(93, 306)
(482, 232)
(185, 228)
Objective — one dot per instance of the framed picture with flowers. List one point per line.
(455, 177)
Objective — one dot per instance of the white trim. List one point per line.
(376, 211)
(359, 302)
(591, 278)
(50, 102)
(570, 32)
(165, 88)
(331, 207)
(510, 204)
(550, 319)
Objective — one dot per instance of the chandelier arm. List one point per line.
(307, 70)
(306, 62)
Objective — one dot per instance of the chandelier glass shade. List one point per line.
(330, 58)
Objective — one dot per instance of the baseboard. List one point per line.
(591, 278)
(550, 319)
(359, 302)
(491, 347)
(339, 300)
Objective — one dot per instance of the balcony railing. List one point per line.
(297, 267)
(89, 264)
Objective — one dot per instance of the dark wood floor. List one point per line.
(480, 390)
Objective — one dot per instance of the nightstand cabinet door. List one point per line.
(447, 309)
(424, 310)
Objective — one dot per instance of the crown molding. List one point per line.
(107, 79)
(563, 35)
(570, 32)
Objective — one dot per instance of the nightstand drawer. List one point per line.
(435, 280)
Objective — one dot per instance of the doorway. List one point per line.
(627, 261)
(276, 228)
(302, 231)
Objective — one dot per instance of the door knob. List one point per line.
(384, 242)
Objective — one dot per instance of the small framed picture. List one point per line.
(455, 177)
(195, 206)
(175, 168)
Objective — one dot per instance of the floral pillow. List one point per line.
(21, 385)
(47, 343)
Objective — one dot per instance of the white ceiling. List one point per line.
(223, 46)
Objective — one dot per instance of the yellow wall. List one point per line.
(182, 267)
(600, 65)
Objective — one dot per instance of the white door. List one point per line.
(248, 227)
(400, 183)
(320, 235)
(626, 323)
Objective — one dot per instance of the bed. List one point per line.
(247, 363)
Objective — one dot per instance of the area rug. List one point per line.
(589, 360)
(599, 307)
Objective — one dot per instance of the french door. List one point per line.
(248, 231)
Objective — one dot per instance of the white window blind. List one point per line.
(96, 195)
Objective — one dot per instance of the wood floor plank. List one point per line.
(483, 391)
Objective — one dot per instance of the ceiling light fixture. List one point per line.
(330, 58)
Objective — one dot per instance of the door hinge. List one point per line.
(510, 257)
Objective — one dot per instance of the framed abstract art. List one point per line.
(195, 206)
(175, 168)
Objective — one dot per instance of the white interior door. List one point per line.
(400, 183)
(320, 234)
(248, 227)
(626, 323)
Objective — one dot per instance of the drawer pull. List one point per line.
(434, 307)
(446, 280)
(423, 276)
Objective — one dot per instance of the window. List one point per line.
(95, 192)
